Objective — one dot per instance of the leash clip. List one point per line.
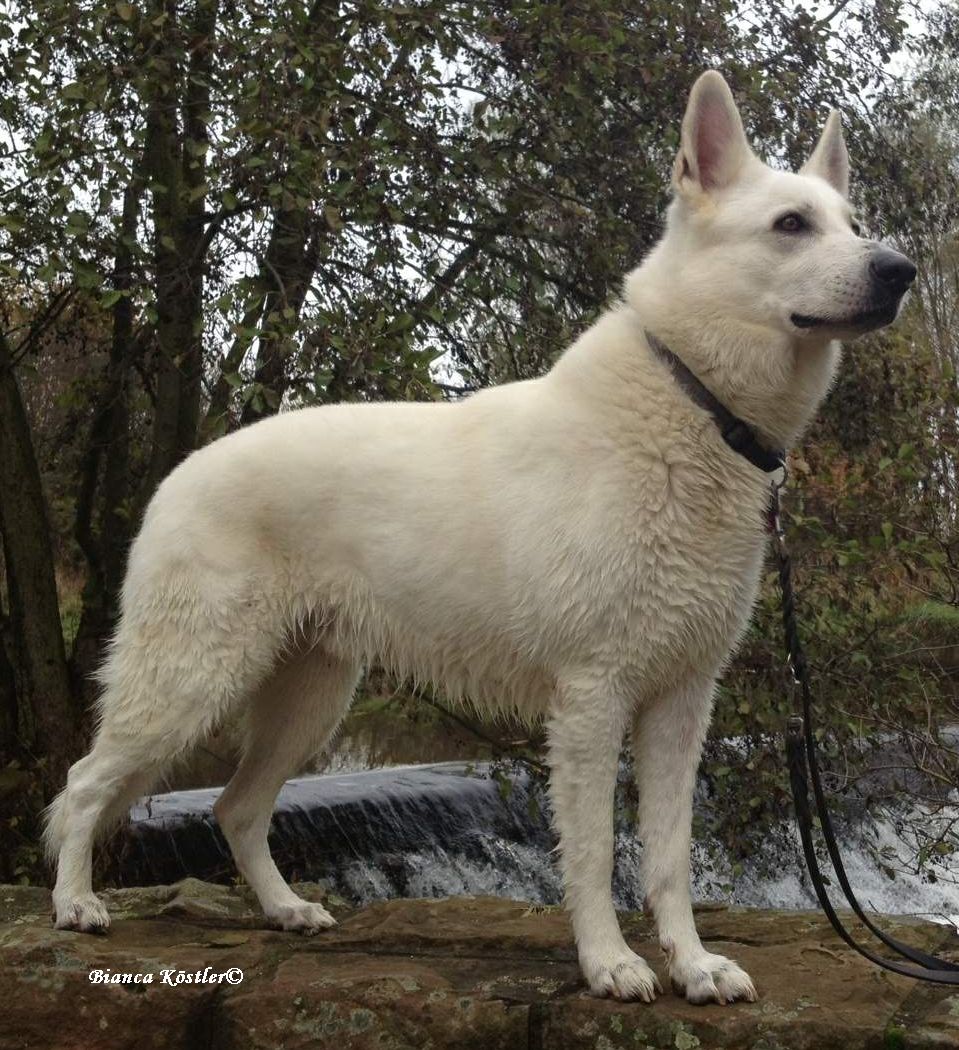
(780, 483)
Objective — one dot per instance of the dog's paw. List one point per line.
(707, 978)
(623, 975)
(303, 917)
(85, 913)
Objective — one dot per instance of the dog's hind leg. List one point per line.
(294, 713)
(100, 787)
(668, 735)
(124, 763)
(586, 730)
(182, 657)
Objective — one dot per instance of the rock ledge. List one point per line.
(460, 973)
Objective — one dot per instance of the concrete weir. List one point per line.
(473, 973)
(411, 831)
(483, 829)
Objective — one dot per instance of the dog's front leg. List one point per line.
(668, 735)
(586, 730)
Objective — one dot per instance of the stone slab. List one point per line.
(458, 973)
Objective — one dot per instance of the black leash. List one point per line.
(800, 736)
(804, 769)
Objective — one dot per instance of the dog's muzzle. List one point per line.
(891, 274)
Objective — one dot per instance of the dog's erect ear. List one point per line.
(713, 145)
(829, 159)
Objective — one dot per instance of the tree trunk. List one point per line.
(105, 546)
(176, 167)
(46, 713)
(293, 255)
(287, 272)
(9, 743)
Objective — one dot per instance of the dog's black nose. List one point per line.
(893, 271)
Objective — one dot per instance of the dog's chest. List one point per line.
(669, 563)
(693, 589)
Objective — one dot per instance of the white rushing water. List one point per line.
(460, 828)
(529, 873)
(878, 853)
(877, 858)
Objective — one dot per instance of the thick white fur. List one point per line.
(581, 546)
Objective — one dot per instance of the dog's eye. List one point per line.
(790, 223)
(856, 228)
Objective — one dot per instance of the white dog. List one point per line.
(584, 546)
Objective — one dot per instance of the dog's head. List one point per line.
(774, 248)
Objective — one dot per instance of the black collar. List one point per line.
(736, 432)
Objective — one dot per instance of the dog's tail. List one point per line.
(54, 827)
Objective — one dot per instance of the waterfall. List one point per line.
(483, 828)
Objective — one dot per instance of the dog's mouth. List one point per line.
(865, 321)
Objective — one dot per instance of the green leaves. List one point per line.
(11, 222)
(110, 298)
(333, 217)
(73, 90)
(86, 274)
(78, 223)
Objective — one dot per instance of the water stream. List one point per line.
(480, 828)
